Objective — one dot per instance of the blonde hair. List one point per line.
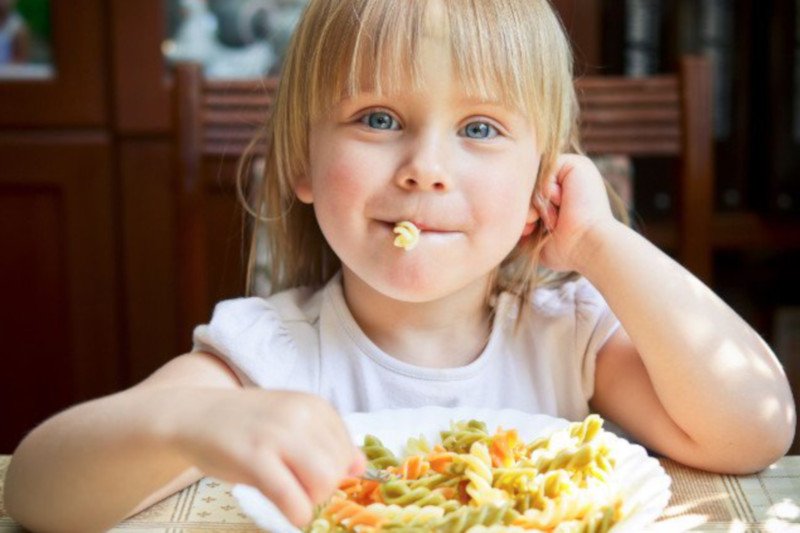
(514, 50)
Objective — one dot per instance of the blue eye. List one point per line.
(379, 120)
(480, 130)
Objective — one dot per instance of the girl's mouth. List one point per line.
(421, 225)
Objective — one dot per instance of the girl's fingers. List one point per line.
(280, 485)
(554, 193)
(359, 462)
(319, 472)
(551, 217)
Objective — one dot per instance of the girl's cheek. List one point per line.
(341, 178)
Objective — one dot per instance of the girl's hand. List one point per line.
(292, 446)
(575, 205)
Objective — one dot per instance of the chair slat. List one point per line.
(230, 148)
(624, 83)
(237, 118)
(632, 147)
(637, 131)
(630, 116)
(627, 99)
(241, 134)
(245, 101)
(261, 84)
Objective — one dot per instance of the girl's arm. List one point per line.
(685, 375)
(93, 465)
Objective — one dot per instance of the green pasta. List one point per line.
(466, 517)
(463, 435)
(398, 492)
(378, 455)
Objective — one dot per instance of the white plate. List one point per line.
(645, 484)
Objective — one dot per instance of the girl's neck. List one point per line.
(444, 333)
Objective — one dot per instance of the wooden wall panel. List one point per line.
(146, 170)
(59, 320)
(141, 80)
(34, 314)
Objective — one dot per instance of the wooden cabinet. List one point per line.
(60, 320)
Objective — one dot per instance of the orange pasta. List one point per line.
(502, 449)
(353, 514)
(440, 461)
(362, 491)
(414, 467)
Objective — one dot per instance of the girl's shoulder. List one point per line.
(301, 304)
(565, 297)
(262, 339)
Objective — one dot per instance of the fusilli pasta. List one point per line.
(475, 481)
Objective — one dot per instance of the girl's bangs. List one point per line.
(373, 46)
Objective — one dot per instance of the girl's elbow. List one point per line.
(770, 440)
(35, 513)
(767, 448)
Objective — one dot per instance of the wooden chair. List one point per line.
(667, 115)
(215, 121)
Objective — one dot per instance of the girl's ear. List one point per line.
(530, 221)
(302, 189)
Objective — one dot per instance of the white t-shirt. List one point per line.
(308, 341)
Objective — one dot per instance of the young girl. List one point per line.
(457, 118)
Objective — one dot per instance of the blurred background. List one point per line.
(94, 163)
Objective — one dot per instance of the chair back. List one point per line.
(664, 115)
(215, 121)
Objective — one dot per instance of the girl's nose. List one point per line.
(425, 169)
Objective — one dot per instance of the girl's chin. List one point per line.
(418, 285)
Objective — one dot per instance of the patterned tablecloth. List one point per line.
(768, 501)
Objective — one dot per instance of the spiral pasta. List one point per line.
(476, 481)
(479, 473)
(378, 455)
(407, 235)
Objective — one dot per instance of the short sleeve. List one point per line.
(250, 335)
(594, 323)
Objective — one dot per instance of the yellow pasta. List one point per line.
(479, 472)
(407, 235)
(476, 481)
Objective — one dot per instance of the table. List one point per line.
(768, 501)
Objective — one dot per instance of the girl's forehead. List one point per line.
(501, 52)
(425, 40)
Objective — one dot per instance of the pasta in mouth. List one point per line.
(475, 481)
(407, 235)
